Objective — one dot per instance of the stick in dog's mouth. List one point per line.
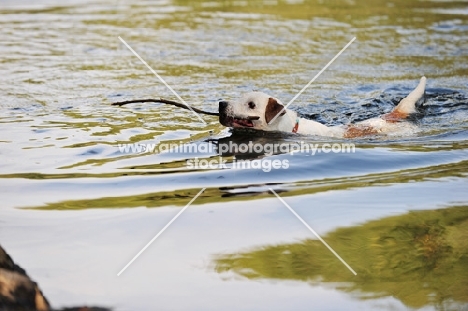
(164, 101)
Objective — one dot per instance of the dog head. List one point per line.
(253, 110)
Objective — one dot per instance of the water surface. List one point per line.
(75, 209)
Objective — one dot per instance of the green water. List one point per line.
(76, 209)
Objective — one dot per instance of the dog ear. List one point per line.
(272, 109)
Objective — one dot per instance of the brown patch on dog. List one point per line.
(272, 109)
(395, 116)
(354, 131)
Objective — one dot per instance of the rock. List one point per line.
(19, 293)
(17, 290)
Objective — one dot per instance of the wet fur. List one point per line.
(260, 111)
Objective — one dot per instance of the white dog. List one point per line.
(262, 112)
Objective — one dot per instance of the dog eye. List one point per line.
(251, 105)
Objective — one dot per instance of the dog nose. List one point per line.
(223, 104)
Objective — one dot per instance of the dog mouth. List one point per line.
(239, 122)
(242, 122)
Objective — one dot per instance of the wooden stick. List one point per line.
(164, 101)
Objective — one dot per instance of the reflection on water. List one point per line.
(421, 258)
(226, 192)
(63, 177)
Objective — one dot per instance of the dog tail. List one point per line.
(407, 105)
